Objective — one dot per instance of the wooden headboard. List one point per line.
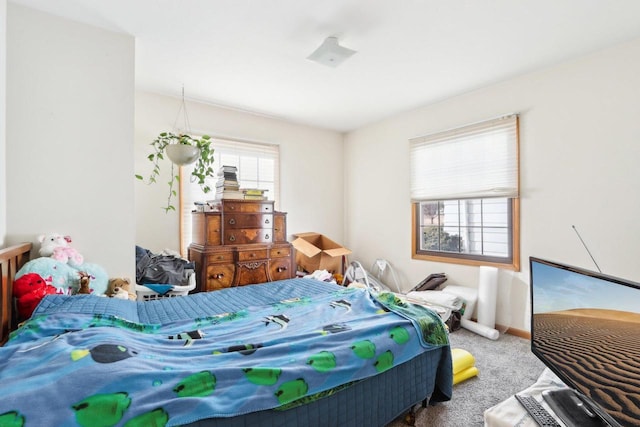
(11, 259)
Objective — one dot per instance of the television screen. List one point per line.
(585, 327)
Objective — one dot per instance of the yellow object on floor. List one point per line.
(463, 365)
(465, 375)
(462, 360)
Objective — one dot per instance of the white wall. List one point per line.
(579, 152)
(311, 167)
(3, 103)
(70, 106)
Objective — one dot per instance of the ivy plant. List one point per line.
(202, 169)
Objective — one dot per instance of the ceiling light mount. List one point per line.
(330, 53)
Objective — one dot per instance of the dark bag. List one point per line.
(453, 322)
(431, 282)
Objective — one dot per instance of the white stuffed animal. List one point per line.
(120, 293)
(57, 247)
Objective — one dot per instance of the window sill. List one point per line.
(514, 265)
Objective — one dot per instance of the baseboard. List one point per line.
(512, 331)
(515, 332)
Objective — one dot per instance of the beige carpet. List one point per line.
(506, 366)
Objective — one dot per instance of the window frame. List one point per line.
(469, 259)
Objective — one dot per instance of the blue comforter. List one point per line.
(81, 367)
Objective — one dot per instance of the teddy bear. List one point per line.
(120, 287)
(56, 246)
(120, 293)
(29, 290)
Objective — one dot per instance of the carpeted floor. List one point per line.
(506, 366)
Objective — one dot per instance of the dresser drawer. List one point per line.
(279, 227)
(280, 269)
(252, 254)
(248, 220)
(248, 207)
(247, 236)
(219, 276)
(206, 228)
(284, 251)
(214, 232)
(252, 272)
(220, 257)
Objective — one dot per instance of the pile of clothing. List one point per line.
(167, 268)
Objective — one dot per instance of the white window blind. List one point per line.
(258, 167)
(474, 161)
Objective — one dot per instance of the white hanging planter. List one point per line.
(182, 149)
(181, 154)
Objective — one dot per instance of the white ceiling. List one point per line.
(251, 55)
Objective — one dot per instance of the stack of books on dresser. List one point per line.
(227, 186)
(254, 194)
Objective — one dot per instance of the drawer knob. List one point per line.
(217, 276)
(232, 238)
(232, 221)
(266, 236)
(266, 221)
(281, 269)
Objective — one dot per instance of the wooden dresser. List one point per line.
(241, 242)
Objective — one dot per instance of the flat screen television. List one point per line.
(585, 326)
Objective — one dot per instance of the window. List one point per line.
(464, 189)
(470, 228)
(258, 167)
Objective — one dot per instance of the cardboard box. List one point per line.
(315, 251)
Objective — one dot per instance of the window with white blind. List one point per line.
(464, 190)
(258, 167)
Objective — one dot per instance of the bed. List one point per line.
(286, 353)
(11, 260)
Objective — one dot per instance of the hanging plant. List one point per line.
(201, 154)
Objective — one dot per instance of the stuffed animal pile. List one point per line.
(62, 270)
(63, 267)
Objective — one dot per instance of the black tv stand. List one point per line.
(572, 408)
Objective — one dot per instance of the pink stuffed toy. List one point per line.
(57, 247)
(29, 290)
